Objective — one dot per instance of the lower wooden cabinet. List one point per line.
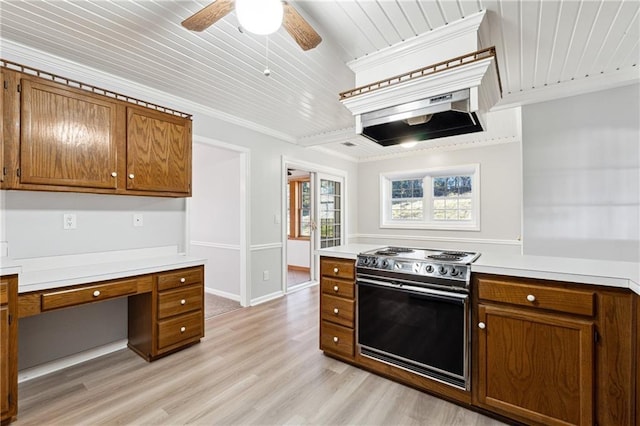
(553, 353)
(175, 316)
(337, 307)
(8, 347)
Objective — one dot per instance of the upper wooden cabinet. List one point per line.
(158, 151)
(68, 137)
(62, 138)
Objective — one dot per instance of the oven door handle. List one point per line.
(460, 296)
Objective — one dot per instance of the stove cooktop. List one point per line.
(449, 256)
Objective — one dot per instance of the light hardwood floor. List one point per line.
(258, 365)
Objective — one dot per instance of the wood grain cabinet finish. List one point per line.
(68, 136)
(62, 138)
(337, 307)
(158, 152)
(8, 348)
(88, 294)
(553, 353)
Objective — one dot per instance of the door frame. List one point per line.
(314, 170)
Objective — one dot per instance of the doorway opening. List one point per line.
(299, 202)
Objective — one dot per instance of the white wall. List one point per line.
(582, 176)
(500, 200)
(214, 216)
(299, 253)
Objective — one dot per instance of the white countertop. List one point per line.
(61, 271)
(584, 271)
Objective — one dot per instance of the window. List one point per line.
(431, 199)
(299, 209)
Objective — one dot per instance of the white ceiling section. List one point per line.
(545, 49)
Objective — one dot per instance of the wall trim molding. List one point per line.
(491, 241)
(221, 246)
(226, 295)
(59, 364)
(269, 246)
(267, 298)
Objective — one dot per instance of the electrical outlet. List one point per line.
(69, 221)
(138, 219)
(265, 275)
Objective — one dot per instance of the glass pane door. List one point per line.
(330, 207)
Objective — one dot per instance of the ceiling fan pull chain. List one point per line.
(267, 71)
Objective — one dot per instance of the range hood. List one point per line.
(445, 99)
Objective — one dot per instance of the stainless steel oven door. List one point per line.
(423, 330)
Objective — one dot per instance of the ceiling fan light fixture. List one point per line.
(260, 17)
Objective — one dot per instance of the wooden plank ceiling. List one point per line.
(543, 47)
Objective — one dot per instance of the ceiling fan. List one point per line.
(297, 27)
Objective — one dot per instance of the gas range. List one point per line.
(439, 267)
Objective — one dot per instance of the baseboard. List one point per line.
(221, 293)
(59, 364)
(299, 268)
(302, 286)
(266, 298)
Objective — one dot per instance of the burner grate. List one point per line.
(446, 256)
(393, 251)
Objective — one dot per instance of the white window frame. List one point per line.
(427, 175)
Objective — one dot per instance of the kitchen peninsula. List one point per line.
(552, 339)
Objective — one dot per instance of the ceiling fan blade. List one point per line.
(298, 28)
(208, 15)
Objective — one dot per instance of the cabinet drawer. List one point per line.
(179, 301)
(340, 288)
(341, 268)
(338, 310)
(180, 278)
(336, 338)
(87, 294)
(182, 328)
(580, 302)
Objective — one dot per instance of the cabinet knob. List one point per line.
(335, 339)
(335, 311)
(335, 288)
(335, 270)
(531, 298)
(131, 175)
(183, 280)
(183, 329)
(482, 325)
(114, 174)
(182, 302)
(96, 293)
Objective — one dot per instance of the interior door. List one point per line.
(329, 210)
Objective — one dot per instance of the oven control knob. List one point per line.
(454, 272)
(416, 268)
(397, 266)
(429, 268)
(442, 270)
(385, 263)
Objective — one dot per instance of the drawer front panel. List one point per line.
(340, 268)
(178, 329)
(88, 294)
(337, 287)
(336, 338)
(338, 310)
(580, 302)
(181, 278)
(179, 301)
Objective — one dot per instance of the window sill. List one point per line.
(299, 238)
(432, 226)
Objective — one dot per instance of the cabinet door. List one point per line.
(2, 165)
(536, 366)
(4, 359)
(68, 137)
(158, 151)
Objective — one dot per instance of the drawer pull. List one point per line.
(114, 174)
(482, 325)
(335, 311)
(335, 339)
(182, 280)
(335, 270)
(131, 176)
(96, 293)
(182, 302)
(183, 329)
(335, 288)
(531, 298)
